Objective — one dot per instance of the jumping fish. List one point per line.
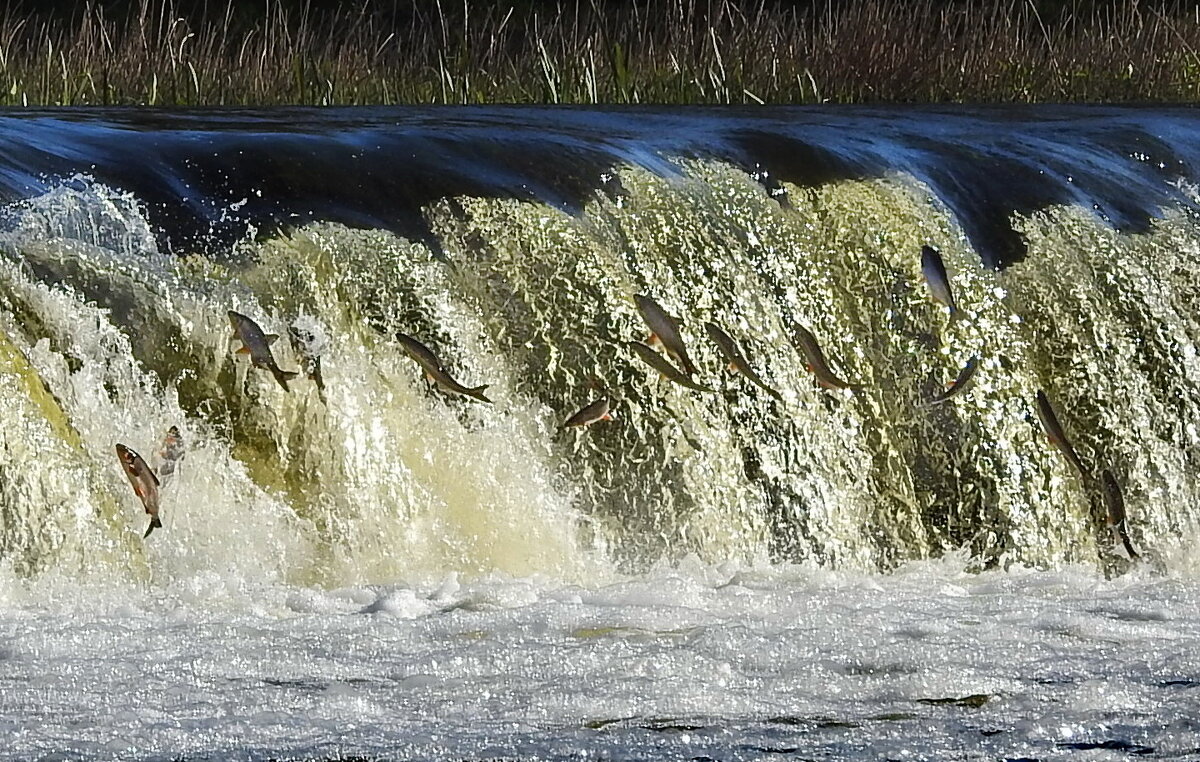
(593, 412)
(660, 363)
(168, 457)
(1114, 501)
(934, 270)
(1054, 431)
(303, 341)
(664, 329)
(434, 370)
(960, 384)
(737, 361)
(144, 483)
(817, 363)
(258, 345)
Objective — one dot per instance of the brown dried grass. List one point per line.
(650, 51)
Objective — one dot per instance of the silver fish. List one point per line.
(302, 340)
(1056, 435)
(817, 363)
(434, 371)
(664, 329)
(168, 457)
(1114, 501)
(144, 482)
(960, 384)
(934, 270)
(593, 412)
(660, 363)
(257, 344)
(737, 361)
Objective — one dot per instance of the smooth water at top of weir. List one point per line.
(402, 574)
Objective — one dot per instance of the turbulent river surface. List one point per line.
(364, 567)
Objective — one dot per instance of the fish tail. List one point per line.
(1133, 554)
(154, 524)
(478, 394)
(283, 376)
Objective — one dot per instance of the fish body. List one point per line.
(960, 384)
(737, 361)
(593, 412)
(661, 364)
(1114, 501)
(168, 457)
(934, 270)
(665, 329)
(1056, 434)
(432, 366)
(817, 363)
(144, 482)
(257, 344)
(302, 340)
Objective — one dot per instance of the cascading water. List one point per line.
(515, 252)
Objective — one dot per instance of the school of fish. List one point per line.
(665, 333)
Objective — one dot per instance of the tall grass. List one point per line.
(648, 51)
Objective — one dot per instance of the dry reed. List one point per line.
(649, 51)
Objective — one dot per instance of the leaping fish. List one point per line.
(144, 482)
(593, 412)
(817, 363)
(434, 371)
(1054, 431)
(934, 270)
(665, 330)
(1114, 501)
(737, 361)
(660, 363)
(168, 457)
(960, 384)
(302, 340)
(257, 344)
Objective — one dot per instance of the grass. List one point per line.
(648, 51)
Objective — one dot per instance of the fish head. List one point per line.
(130, 460)
(238, 322)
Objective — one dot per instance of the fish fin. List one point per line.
(608, 417)
(244, 350)
(653, 340)
(154, 524)
(478, 394)
(733, 367)
(283, 376)
(1133, 554)
(271, 338)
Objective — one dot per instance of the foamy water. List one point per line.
(682, 663)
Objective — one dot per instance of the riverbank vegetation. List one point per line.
(588, 51)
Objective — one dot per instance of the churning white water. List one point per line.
(685, 662)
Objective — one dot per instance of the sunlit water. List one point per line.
(379, 571)
(681, 663)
